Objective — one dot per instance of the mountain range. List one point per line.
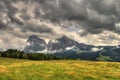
(36, 44)
(66, 47)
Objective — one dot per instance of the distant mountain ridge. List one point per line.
(36, 44)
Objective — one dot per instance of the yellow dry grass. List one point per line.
(3, 69)
(14, 69)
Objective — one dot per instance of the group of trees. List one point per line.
(22, 55)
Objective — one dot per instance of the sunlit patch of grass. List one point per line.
(3, 69)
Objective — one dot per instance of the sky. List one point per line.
(94, 22)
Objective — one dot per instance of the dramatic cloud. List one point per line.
(49, 19)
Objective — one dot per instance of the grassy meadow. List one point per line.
(15, 69)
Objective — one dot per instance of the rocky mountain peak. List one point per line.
(35, 39)
(34, 44)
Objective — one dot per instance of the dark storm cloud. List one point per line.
(104, 13)
(37, 28)
(95, 15)
(22, 25)
(11, 11)
(2, 26)
(63, 10)
(15, 20)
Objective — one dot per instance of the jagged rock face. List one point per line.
(35, 44)
(64, 43)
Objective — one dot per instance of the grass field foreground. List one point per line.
(15, 69)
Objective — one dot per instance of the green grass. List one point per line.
(15, 69)
(104, 58)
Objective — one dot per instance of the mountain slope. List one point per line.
(35, 44)
(106, 54)
(64, 43)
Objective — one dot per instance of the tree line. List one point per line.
(11, 53)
